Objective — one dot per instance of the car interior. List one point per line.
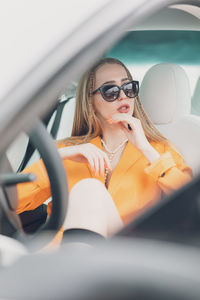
(151, 51)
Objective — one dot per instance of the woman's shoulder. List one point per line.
(66, 142)
(60, 145)
(168, 146)
(159, 146)
(164, 146)
(78, 140)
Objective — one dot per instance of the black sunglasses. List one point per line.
(110, 92)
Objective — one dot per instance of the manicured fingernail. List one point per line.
(129, 127)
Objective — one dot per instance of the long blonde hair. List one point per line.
(86, 125)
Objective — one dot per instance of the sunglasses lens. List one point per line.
(131, 89)
(110, 92)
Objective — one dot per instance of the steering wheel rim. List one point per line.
(57, 176)
(45, 144)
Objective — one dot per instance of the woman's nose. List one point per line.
(122, 95)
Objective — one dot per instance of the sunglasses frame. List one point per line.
(119, 87)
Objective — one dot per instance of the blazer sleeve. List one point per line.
(170, 170)
(33, 194)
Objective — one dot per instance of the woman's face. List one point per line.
(111, 74)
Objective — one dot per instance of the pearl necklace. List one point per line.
(111, 154)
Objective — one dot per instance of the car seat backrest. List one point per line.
(196, 99)
(165, 95)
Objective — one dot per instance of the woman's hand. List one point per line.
(133, 129)
(87, 153)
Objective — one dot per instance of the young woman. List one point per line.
(117, 162)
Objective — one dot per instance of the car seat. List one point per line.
(195, 109)
(165, 95)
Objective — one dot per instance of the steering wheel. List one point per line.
(58, 184)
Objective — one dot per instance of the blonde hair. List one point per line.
(86, 125)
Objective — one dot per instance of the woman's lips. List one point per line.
(124, 108)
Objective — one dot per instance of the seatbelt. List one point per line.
(56, 123)
(54, 131)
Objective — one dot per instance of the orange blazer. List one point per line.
(134, 185)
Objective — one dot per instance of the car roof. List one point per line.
(30, 29)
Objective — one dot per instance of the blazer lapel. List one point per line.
(97, 142)
(129, 157)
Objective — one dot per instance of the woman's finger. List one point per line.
(129, 134)
(91, 162)
(123, 121)
(107, 161)
(120, 117)
(96, 163)
(127, 126)
(128, 121)
(101, 164)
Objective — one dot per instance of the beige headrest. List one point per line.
(165, 93)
